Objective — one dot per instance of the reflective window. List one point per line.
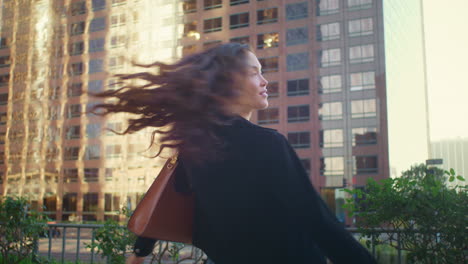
(78, 8)
(4, 79)
(266, 16)
(73, 111)
(76, 69)
(360, 27)
(93, 130)
(299, 139)
(212, 25)
(211, 4)
(298, 113)
(273, 90)
(98, 4)
(190, 29)
(5, 61)
(329, 57)
(95, 66)
(4, 42)
(72, 132)
(297, 62)
(238, 2)
(331, 111)
(189, 6)
(330, 84)
(363, 108)
(53, 112)
(50, 203)
(211, 44)
(327, 7)
(268, 116)
(269, 64)
(239, 20)
(118, 41)
(331, 138)
(189, 49)
(77, 48)
(366, 164)
(118, 20)
(267, 40)
(364, 136)
(360, 54)
(3, 118)
(116, 62)
(91, 174)
(69, 202)
(95, 86)
(298, 87)
(75, 89)
(296, 11)
(329, 31)
(113, 151)
(77, 28)
(296, 36)
(116, 126)
(4, 99)
(111, 202)
(332, 166)
(92, 152)
(71, 153)
(97, 24)
(362, 81)
(242, 40)
(359, 4)
(90, 202)
(70, 175)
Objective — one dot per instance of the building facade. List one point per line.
(324, 60)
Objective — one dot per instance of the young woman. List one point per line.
(254, 202)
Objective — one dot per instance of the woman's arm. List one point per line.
(290, 183)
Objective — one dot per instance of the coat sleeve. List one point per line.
(143, 246)
(290, 184)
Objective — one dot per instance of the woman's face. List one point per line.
(252, 87)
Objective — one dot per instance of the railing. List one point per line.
(65, 233)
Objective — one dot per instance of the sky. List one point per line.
(446, 28)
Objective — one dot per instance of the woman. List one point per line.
(254, 202)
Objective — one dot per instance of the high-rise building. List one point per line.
(453, 154)
(324, 60)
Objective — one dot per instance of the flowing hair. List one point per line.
(185, 101)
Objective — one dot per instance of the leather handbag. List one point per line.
(164, 213)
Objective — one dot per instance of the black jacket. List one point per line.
(259, 206)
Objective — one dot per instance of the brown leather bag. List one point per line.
(163, 213)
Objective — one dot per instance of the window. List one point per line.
(297, 62)
(241, 40)
(296, 11)
(4, 79)
(364, 136)
(57, 71)
(306, 164)
(266, 16)
(118, 20)
(189, 6)
(212, 25)
(116, 62)
(111, 202)
(113, 151)
(360, 54)
(211, 4)
(296, 36)
(332, 166)
(50, 203)
(118, 41)
(77, 48)
(71, 153)
(91, 174)
(93, 130)
(189, 49)
(73, 111)
(366, 164)
(118, 2)
(327, 7)
(298, 87)
(95, 66)
(5, 61)
(269, 64)
(76, 69)
(298, 113)
(360, 27)
(134, 150)
(116, 126)
(268, 116)
(77, 28)
(331, 138)
(329, 57)
(75, 89)
(95, 86)
(190, 29)
(53, 112)
(330, 84)
(109, 174)
(299, 139)
(90, 202)
(267, 40)
(99, 5)
(359, 4)
(239, 20)
(4, 99)
(238, 2)
(363, 108)
(4, 43)
(69, 202)
(331, 111)
(211, 44)
(78, 8)
(273, 90)
(3, 118)
(362, 81)
(72, 132)
(329, 31)
(97, 24)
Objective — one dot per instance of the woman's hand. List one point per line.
(135, 260)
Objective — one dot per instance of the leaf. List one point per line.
(451, 179)
(452, 171)
(460, 178)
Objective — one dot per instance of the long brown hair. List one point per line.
(187, 98)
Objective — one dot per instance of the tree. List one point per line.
(420, 213)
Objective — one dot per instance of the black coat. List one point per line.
(259, 206)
